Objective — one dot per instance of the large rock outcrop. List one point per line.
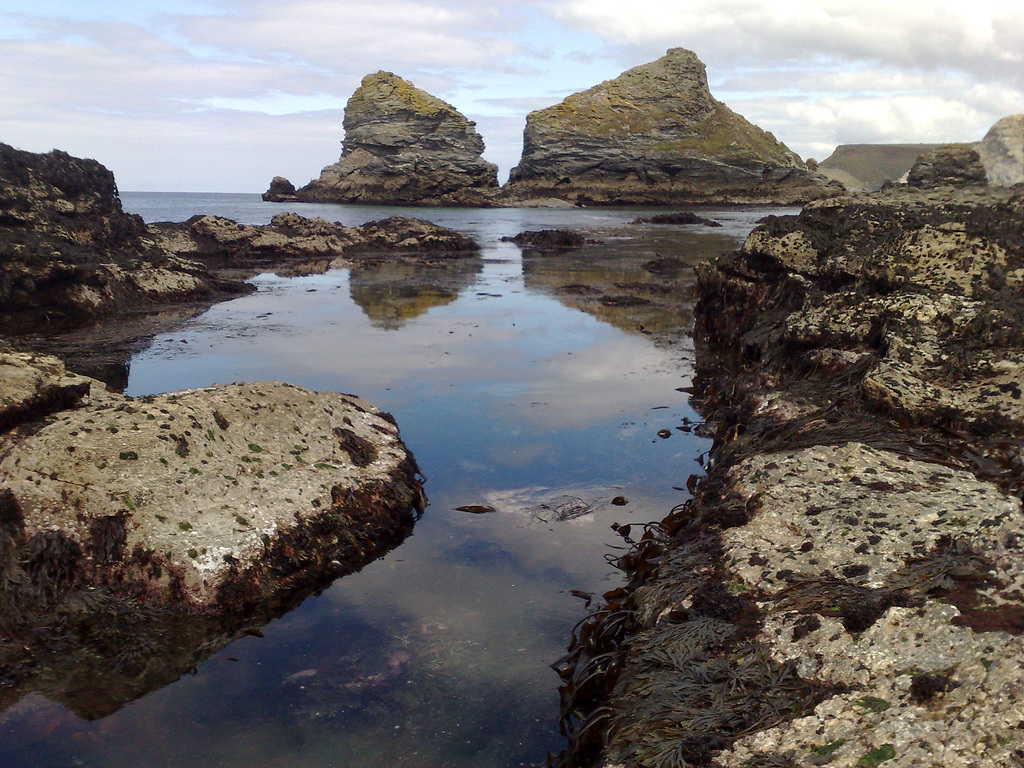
(845, 586)
(655, 135)
(1002, 151)
(69, 253)
(404, 146)
(949, 165)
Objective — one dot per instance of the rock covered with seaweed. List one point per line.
(655, 135)
(404, 146)
(187, 515)
(294, 244)
(845, 585)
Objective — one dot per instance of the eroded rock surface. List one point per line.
(655, 135)
(404, 146)
(845, 587)
(69, 253)
(208, 499)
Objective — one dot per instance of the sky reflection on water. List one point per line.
(437, 654)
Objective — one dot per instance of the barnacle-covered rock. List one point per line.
(214, 499)
(858, 540)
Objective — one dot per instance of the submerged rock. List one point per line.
(404, 146)
(71, 254)
(655, 135)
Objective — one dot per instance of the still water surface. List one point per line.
(510, 395)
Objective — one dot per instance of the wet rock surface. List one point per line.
(404, 146)
(655, 135)
(548, 239)
(845, 586)
(682, 217)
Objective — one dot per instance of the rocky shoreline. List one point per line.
(845, 586)
(140, 535)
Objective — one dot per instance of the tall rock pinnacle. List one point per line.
(404, 146)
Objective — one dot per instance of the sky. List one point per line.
(222, 95)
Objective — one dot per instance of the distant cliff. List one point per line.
(404, 146)
(655, 135)
(869, 166)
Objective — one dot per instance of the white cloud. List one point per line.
(224, 94)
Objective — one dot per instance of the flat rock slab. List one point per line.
(934, 681)
(217, 497)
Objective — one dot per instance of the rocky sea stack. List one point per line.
(655, 135)
(404, 146)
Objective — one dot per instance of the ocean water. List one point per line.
(511, 394)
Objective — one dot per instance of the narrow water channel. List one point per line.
(536, 385)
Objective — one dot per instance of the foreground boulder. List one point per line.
(655, 135)
(218, 499)
(71, 254)
(140, 536)
(845, 586)
(404, 146)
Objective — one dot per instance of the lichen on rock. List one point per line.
(218, 499)
(858, 538)
(404, 146)
(655, 135)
